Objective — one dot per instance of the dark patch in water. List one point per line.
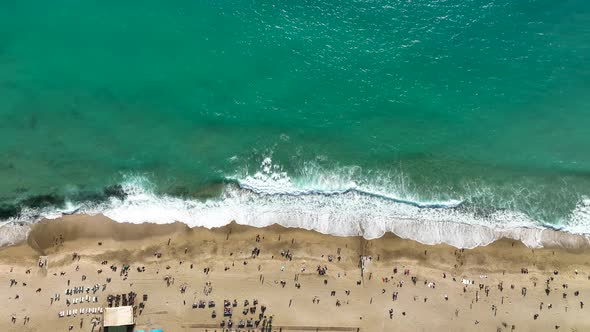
(101, 196)
(8, 211)
(41, 201)
(57, 201)
(211, 190)
(115, 191)
(89, 196)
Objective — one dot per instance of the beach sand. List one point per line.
(173, 259)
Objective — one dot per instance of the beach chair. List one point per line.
(227, 312)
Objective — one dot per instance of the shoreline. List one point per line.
(12, 233)
(227, 254)
(268, 201)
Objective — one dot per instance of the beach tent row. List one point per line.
(82, 311)
(82, 299)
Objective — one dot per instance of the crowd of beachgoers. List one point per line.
(239, 277)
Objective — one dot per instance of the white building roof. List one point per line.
(118, 316)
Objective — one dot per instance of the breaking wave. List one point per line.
(326, 203)
(271, 181)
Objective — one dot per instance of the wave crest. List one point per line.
(272, 180)
(328, 202)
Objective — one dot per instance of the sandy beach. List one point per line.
(305, 280)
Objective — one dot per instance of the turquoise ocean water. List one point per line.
(208, 111)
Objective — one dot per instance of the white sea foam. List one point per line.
(11, 233)
(345, 214)
(272, 180)
(579, 219)
(334, 206)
